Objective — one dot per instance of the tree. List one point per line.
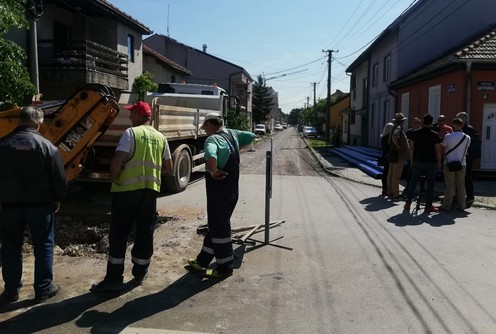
(294, 116)
(320, 111)
(143, 83)
(238, 120)
(262, 101)
(14, 76)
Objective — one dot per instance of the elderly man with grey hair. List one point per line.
(474, 153)
(33, 182)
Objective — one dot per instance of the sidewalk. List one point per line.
(485, 190)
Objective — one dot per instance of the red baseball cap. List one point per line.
(141, 107)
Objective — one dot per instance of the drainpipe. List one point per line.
(468, 93)
(33, 41)
(348, 137)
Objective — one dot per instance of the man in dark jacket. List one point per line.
(33, 183)
(385, 144)
(416, 124)
(425, 154)
(474, 152)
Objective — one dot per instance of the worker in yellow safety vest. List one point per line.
(141, 156)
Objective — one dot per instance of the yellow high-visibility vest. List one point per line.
(144, 169)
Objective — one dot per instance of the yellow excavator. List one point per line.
(75, 126)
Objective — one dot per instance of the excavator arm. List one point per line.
(75, 126)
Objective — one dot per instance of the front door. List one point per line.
(488, 159)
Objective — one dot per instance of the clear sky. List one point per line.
(279, 39)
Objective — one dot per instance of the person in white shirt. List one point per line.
(455, 146)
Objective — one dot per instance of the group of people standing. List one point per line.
(428, 148)
(34, 183)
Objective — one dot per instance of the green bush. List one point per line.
(237, 120)
(143, 83)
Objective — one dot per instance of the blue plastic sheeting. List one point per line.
(365, 159)
(367, 151)
(365, 163)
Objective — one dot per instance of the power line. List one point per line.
(348, 20)
(292, 68)
(286, 74)
(366, 11)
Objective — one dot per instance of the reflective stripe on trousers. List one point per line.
(222, 197)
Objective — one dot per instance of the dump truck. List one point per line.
(178, 111)
(73, 125)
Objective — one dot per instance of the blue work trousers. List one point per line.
(222, 197)
(40, 221)
(128, 208)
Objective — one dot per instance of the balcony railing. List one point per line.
(82, 55)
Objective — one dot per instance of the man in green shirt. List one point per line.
(222, 185)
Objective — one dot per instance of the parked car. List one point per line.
(260, 129)
(309, 131)
(278, 127)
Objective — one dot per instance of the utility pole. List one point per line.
(314, 102)
(328, 102)
(34, 10)
(314, 96)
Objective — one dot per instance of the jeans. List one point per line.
(429, 170)
(40, 221)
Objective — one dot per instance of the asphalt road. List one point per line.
(344, 261)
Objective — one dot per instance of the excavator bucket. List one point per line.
(9, 120)
(79, 123)
(75, 126)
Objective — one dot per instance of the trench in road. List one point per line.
(290, 156)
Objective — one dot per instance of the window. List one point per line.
(387, 69)
(365, 97)
(375, 73)
(435, 101)
(372, 116)
(62, 36)
(405, 104)
(353, 86)
(130, 48)
(385, 114)
(352, 116)
(173, 78)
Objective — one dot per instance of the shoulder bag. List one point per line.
(454, 166)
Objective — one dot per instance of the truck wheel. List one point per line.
(182, 172)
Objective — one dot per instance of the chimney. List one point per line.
(205, 48)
